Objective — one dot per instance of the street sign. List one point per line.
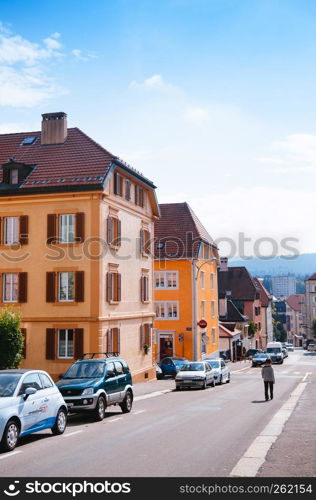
(202, 323)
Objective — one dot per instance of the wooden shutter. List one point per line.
(116, 339)
(78, 343)
(23, 331)
(51, 228)
(1, 231)
(109, 230)
(22, 287)
(119, 233)
(79, 227)
(146, 242)
(50, 287)
(24, 230)
(119, 287)
(109, 279)
(142, 240)
(115, 182)
(147, 334)
(50, 343)
(127, 189)
(136, 194)
(146, 288)
(79, 286)
(142, 289)
(109, 343)
(141, 336)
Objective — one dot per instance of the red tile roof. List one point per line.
(264, 294)
(311, 277)
(239, 282)
(181, 232)
(295, 301)
(224, 332)
(79, 161)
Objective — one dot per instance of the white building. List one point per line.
(283, 286)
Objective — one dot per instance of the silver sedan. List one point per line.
(195, 374)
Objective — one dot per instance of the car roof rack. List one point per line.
(105, 354)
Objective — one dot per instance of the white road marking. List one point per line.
(152, 395)
(72, 433)
(297, 373)
(242, 369)
(8, 455)
(306, 375)
(255, 455)
(138, 412)
(115, 419)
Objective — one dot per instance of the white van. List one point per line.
(274, 350)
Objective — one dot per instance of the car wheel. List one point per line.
(60, 423)
(10, 436)
(126, 406)
(228, 379)
(99, 411)
(178, 388)
(213, 382)
(204, 384)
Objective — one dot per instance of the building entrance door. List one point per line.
(166, 344)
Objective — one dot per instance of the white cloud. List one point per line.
(155, 82)
(24, 79)
(83, 55)
(295, 153)
(195, 114)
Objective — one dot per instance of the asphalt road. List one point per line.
(188, 433)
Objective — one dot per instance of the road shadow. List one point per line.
(259, 401)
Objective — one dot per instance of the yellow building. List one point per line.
(76, 224)
(185, 285)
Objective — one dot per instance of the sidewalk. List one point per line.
(293, 454)
(142, 388)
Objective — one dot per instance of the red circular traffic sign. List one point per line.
(202, 323)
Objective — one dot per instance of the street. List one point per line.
(192, 433)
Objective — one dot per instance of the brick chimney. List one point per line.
(54, 128)
(224, 264)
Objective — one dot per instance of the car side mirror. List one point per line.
(28, 392)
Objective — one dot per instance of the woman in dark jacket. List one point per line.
(267, 373)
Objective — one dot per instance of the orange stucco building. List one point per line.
(185, 285)
(75, 256)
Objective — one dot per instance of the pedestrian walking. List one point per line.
(267, 373)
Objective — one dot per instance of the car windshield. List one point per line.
(275, 350)
(193, 367)
(8, 383)
(260, 356)
(179, 361)
(85, 370)
(214, 364)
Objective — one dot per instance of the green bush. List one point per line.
(11, 339)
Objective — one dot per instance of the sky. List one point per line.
(213, 100)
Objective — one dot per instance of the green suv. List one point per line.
(92, 384)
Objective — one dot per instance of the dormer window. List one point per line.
(14, 176)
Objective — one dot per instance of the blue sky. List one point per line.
(214, 100)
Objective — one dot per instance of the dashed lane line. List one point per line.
(71, 433)
(115, 419)
(8, 455)
(138, 412)
(306, 375)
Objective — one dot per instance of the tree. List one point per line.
(314, 327)
(252, 329)
(11, 339)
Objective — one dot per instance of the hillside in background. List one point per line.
(302, 265)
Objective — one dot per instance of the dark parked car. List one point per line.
(92, 384)
(171, 366)
(251, 352)
(260, 358)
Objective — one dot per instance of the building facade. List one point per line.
(310, 304)
(185, 285)
(294, 319)
(76, 260)
(283, 286)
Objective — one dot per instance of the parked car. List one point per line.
(311, 347)
(29, 402)
(260, 358)
(224, 354)
(274, 349)
(159, 374)
(285, 353)
(195, 374)
(221, 370)
(290, 347)
(92, 384)
(251, 352)
(171, 366)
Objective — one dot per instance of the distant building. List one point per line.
(266, 312)
(310, 304)
(283, 286)
(294, 319)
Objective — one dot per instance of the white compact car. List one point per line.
(221, 370)
(29, 402)
(195, 374)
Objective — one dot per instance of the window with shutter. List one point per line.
(128, 186)
(11, 230)
(51, 228)
(109, 343)
(79, 218)
(10, 287)
(116, 340)
(113, 287)
(145, 242)
(147, 334)
(113, 232)
(24, 230)
(22, 287)
(139, 196)
(50, 343)
(118, 184)
(65, 343)
(141, 336)
(50, 287)
(144, 289)
(79, 336)
(79, 286)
